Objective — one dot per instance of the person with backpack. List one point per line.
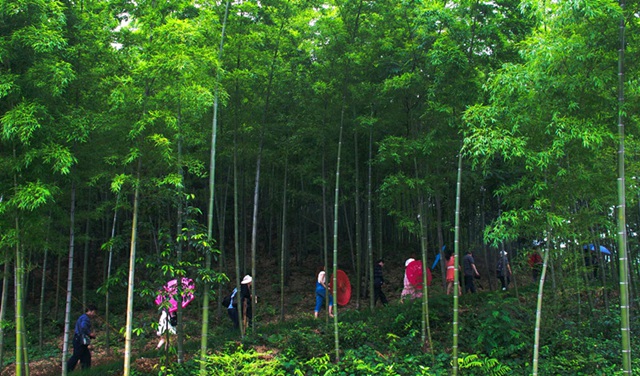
(232, 307)
(245, 302)
(503, 270)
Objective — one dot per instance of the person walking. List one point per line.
(470, 272)
(378, 281)
(168, 321)
(81, 339)
(321, 293)
(503, 270)
(535, 263)
(232, 308)
(246, 301)
(408, 289)
(451, 272)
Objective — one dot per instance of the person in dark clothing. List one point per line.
(245, 303)
(535, 262)
(245, 298)
(81, 336)
(470, 272)
(378, 281)
(503, 270)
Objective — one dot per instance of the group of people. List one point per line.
(167, 323)
(168, 320)
(470, 272)
(503, 272)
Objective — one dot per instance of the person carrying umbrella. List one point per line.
(166, 299)
(408, 289)
(321, 293)
(168, 321)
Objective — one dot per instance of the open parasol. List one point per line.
(344, 288)
(414, 274)
(170, 290)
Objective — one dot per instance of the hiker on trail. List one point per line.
(178, 292)
(231, 302)
(470, 272)
(168, 321)
(535, 262)
(321, 293)
(81, 339)
(451, 272)
(503, 270)
(378, 281)
(409, 289)
(246, 300)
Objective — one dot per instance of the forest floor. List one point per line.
(300, 302)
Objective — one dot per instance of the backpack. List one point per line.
(226, 301)
(500, 267)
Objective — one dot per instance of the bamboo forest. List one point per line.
(454, 185)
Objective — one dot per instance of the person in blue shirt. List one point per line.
(232, 308)
(82, 332)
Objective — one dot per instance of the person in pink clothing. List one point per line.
(451, 272)
(409, 289)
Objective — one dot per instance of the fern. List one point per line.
(490, 366)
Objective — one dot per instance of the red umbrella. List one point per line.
(170, 290)
(344, 288)
(414, 274)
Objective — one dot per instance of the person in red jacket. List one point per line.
(451, 270)
(535, 262)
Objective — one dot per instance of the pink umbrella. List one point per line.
(414, 274)
(170, 290)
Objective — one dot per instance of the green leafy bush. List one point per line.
(243, 362)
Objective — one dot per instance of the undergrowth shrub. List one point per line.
(568, 347)
(353, 335)
(361, 361)
(238, 361)
(473, 364)
(501, 329)
(302, 341)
